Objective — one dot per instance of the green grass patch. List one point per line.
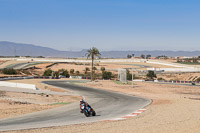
(59, 103)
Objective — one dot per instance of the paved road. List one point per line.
(22, 65)
(17, 66)
(108, 105)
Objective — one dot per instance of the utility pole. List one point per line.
(132, 77)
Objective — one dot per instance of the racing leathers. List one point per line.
(83, 105)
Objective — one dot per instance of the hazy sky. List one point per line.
(105, 24)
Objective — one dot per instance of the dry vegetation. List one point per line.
(180, 76)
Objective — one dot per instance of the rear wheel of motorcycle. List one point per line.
(93, 113)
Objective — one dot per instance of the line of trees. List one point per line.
(60, 72)
(130, 55)
(162, 57)
(145, 56)
(189, 60)
(142, 56)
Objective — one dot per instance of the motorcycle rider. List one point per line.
(85, 104)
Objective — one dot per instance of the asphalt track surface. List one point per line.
(21, 65)
(17, 66)
(108, 105)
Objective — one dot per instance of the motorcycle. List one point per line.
(87, 111)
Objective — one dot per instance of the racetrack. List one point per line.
(22, 65)
(17, 66)
(108, 105)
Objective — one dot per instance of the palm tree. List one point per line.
(91, 53)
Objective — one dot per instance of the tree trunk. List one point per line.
(92, 74)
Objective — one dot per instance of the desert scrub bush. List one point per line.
(56, 74)
(198, 79)
(78, 63)
(86, 70)
(66, 74)
(107, 75)
(103, 69)
(18, 102)
(161, 79)
(72, 71)
(48, 72)
(151, 75)
(129, 75)
(77, 72)
(9, 71)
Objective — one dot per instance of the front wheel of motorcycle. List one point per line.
(87, 114)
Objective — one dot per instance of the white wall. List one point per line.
(175, 69)
(18, 85)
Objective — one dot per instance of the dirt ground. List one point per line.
(16, 103)
(179, 76)
(175, 109)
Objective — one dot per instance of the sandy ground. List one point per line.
(108, 66)
(175, 109)
(42, 66)
(15, 103)
(79, 68)
(179, 76)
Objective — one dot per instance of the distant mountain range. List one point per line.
(19, 49)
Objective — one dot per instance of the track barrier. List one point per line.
(18, 85)
(176, 81)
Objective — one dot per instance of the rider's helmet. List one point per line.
(82, 101)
